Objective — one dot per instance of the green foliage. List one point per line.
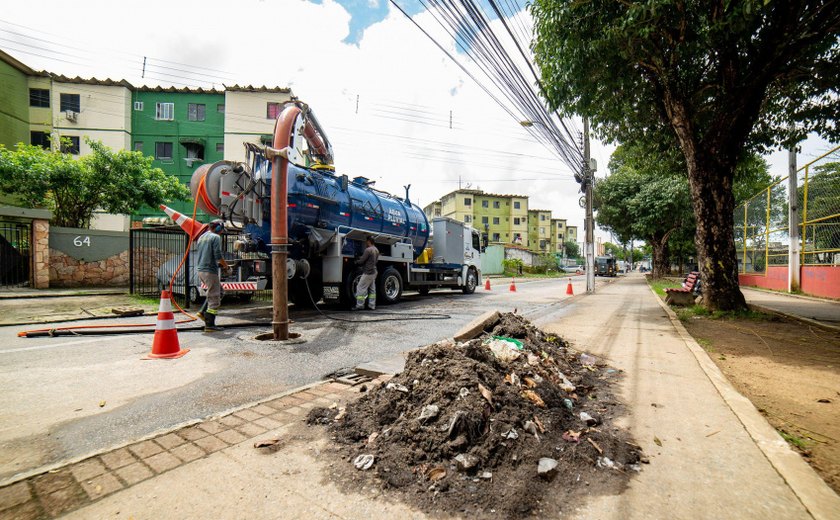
(512, 265)
(73, 188)
(572, 249)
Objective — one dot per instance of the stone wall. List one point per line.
(66, 271)
(41, 253)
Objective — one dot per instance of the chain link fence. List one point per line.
(762, 235)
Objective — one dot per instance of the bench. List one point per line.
(685, 295)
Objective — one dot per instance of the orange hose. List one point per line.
(22, 334)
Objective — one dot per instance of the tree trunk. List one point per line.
(710, 181)
(661, 261)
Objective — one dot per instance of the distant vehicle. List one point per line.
(577, 269)
(605, 266)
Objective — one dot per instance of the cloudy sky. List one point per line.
(396, 109)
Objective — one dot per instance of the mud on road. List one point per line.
(487, 428)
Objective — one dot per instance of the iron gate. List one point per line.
(15, 254)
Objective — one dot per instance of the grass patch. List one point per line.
(144, 300)
(794, 440)
(698, 311)
(706, 344)
(659, 286)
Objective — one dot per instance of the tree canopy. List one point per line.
(713, 79)
(73, 188)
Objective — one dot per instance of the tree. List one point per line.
(572, 249)
(114, 182)
(714, 79)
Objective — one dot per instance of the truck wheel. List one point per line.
(472, 281)
(389, 286)
(348, 293)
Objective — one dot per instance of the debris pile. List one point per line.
(489, 426)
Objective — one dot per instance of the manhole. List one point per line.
(269, 336)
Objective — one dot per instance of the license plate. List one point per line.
(331, 293)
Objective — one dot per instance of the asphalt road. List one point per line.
(63, 398)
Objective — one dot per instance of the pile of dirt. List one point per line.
(489, 426)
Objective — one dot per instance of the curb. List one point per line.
(811, 490)
(795, 317)
(61, 295)
(792, 295)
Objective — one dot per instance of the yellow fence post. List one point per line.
(804, 215)
(767, 235)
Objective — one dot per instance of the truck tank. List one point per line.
(317, 198)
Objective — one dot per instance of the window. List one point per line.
(39, 97)
(195, 111)
(165, 112)
(194, 151)
(516, 204)
(496, 220)
(138, 146)
(467, 201)
(220, 147)
(542, 244)
(542, 217)
(70, 144)
(70, 103)
(272, 110)
(485, 220)
(485, 204)
(496, 204)
(163, 151)
(437, 212)
(542, 231)
(220, 108)
(559, 236)
(138, 106)
(467, 219)
(515, 221)
(41, 139)
(496, 237)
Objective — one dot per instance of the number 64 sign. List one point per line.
(80, 241)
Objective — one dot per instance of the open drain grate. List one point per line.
(352, 379)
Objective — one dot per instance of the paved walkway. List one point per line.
(826, 312)
(711, 454)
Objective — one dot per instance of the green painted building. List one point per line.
(14, 101)
(182, 129)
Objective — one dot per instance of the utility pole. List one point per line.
(793, 223)
(588, 179)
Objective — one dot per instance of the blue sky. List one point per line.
(365, 13)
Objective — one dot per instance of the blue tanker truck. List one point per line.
(329, 218)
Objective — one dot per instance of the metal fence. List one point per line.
(761, 223)
(155, 255)
(15, 253)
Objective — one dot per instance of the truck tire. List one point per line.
(471, 282)
(389, 286)
(348, 288)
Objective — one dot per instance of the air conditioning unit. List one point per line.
(71, 115)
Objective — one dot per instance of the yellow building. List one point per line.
(559, 235)
(500, 218)
(539, 230)
(87, 108)
(250, 113)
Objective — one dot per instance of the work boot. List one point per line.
(210, 323)
(200, 312)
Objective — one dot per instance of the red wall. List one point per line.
(816, 280)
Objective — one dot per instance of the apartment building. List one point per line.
(250, 113)
(559, 235)
(539, 230)
(500, 218)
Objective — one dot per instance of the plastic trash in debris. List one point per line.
(364, 462)
(397, 387)
(565, 384)
(547, 468)
(463, 393)
(568, 404)
(505, 349)
(429, 412)
(533, 359)
(486, 475)
(588, 419)
(511, 434)
(586, 359)
(605, 462)
(531, 428)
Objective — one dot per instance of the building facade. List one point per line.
(539, 231)
(181, 129)
(250, 114)
(14, 101)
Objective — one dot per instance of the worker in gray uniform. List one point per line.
(208, 260)
(367, 283)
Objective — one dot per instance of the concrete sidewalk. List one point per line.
(823, 312)
(711, 453)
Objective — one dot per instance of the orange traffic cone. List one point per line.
(165, 344)
(487, 285)
(569, 289)
(190, 226)
(513, 285)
